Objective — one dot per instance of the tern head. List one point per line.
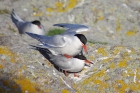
(83, 39)
(36, 22)
(82, 57)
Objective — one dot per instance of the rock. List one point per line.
(113, 47)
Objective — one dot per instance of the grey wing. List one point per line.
(76, 30)
(67, 25)
(72, 28)
(50, 41)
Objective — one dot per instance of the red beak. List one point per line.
(84, 47)
(87, 61)
(39, 26)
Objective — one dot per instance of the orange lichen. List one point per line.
(26, 85)
(6, 51)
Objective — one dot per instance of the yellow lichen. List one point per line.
(102, 52)
(100, 18)
(132, 32)
(93, 77)
(116, 51)
(65, 91)
(1, 66)
(91, 57)
(126, 80)
(112, 65)
(2, 34)
(118, 26)
(37, 14)
(122, 63)
(101, 83)
(49, 9)
(62, 6)
(122, 84)
(71, 4)
(26, 85)
(34, 9)
(6, 51)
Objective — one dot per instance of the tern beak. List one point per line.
(85, 48)
(87, 61)
(39, 26)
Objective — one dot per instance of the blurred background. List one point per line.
(114, 22)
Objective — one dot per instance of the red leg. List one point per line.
(75, 75)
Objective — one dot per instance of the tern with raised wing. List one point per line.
(69, 43)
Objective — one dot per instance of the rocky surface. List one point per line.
(113, 24)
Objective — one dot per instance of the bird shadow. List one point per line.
(7, 84)
(45, 53)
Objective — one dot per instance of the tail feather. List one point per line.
(15, 18)
(44, 51)
(40, 49)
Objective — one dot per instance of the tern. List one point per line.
(25, 26)
(69, 43)
(74, 64)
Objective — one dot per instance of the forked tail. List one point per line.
(15, 18)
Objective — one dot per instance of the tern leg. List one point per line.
(65, 72)
(75, 75)
(67, 56)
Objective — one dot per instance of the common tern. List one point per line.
(74, 64)
(69, 43)
(25, 26)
